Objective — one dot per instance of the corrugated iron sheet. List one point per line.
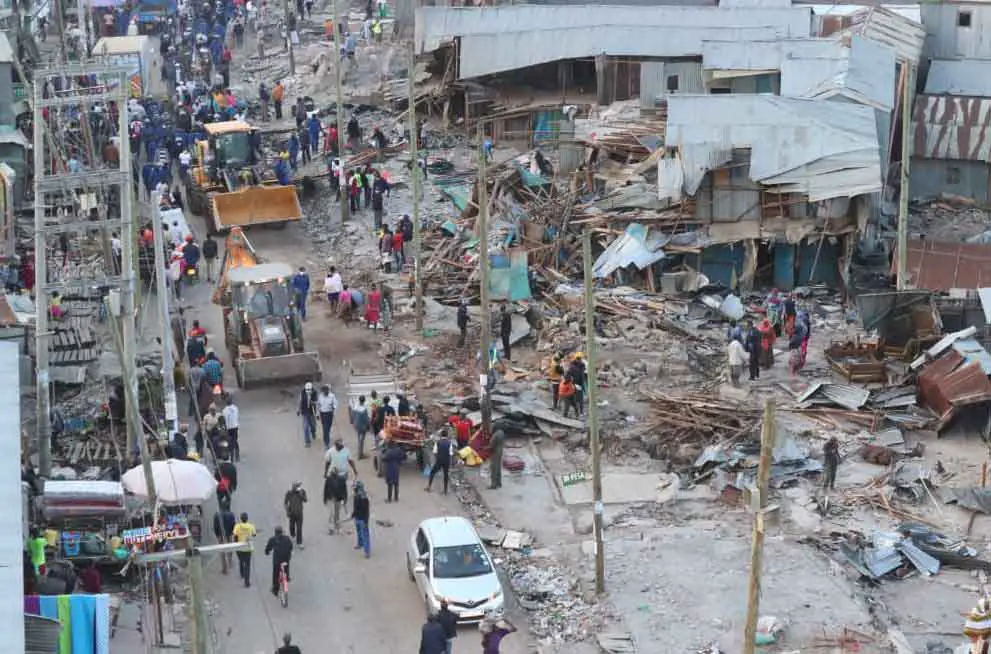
(633, 248)
(973, 352)
(952, 127)
(965, 77)
(940, 266)
(905, 35)
(949, 383)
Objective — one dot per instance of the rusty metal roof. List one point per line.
(950, 383)
(940, 266)
(952, 127)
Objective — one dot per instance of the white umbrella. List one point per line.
(176, 482)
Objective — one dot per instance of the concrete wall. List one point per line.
(654, 79)
(947, 38)
(931, 177)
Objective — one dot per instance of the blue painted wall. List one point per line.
(719, 262)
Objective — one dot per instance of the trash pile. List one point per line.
(911, 548)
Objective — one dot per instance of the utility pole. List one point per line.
(414, 153)
(131, 400)
(43, 390)
(342, 186)
(290, 27)
(593, 413)
(902, 262)
(483, 263)
(60, 26)
(757, 543)
(161, 290)
(194, 562)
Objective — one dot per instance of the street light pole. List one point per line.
(161, 290)
(902, 260)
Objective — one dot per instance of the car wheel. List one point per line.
(409, 570)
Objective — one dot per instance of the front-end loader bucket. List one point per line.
(256, 205)
(304, 366)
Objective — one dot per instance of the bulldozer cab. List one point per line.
(230, 143)
(261, 290)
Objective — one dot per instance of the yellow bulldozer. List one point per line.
(263, 331)
(229, 189)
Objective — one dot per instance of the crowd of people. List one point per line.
(752, 344)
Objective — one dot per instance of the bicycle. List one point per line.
(283, 586)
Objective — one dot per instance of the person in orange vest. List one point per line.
(278, 94)
(569, 395)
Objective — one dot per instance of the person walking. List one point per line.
(280, 547)
(432, 637)
(361, 513)
(209, 256)
(293, 502)
(752, 341)
(443, 455)
(263, 97)
(244, 532)
(392, 459)
(335, 490)
(449, 620)
(505, 330)
(232, 423)
(333, 286)
(301, 291)
(224, 522)
(326, 407)
(287, 646)
(307, 409)
(360, 420)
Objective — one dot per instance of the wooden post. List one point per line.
(342, 190)
(757, 543)
(593, 425)
(483, 262)
(902, 254)
(415, 179)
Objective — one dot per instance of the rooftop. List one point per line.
(450, 531)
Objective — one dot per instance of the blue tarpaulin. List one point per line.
(508, 278)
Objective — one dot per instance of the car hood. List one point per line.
(467, 588)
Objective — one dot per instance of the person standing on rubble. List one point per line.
(751, 340)
(578, 376)
(496, 444)
(831, 461)
(463, 321)
(505, 330)
(736, 354)
(767, 338)
(263, 97)
(555, 371)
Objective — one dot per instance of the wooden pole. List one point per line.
(757, 543)
(902, 261)
(483, 262)
(195, 561)
(414, 152)
(593, 424)
(290, 26)
(343, 187)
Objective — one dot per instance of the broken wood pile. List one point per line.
(632, 140)
(700, 417)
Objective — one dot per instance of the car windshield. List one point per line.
(461, 561)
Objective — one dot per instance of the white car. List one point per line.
(447, 560)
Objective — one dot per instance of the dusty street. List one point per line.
(367, 606)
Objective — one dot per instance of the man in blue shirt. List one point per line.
(213, 370)
(301, 290)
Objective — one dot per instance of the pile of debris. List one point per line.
(912, 547)
(700, 418)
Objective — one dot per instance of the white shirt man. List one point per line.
(185, 159)
(232, 417)
(333, 283)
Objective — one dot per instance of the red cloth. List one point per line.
(374, 307)
(397, 241)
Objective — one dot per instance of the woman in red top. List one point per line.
(398, 256)
(373, 307)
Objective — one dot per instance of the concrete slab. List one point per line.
(618, 488)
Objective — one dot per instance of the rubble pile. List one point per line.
(698, 419)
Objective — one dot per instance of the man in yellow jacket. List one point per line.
(555, 370)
